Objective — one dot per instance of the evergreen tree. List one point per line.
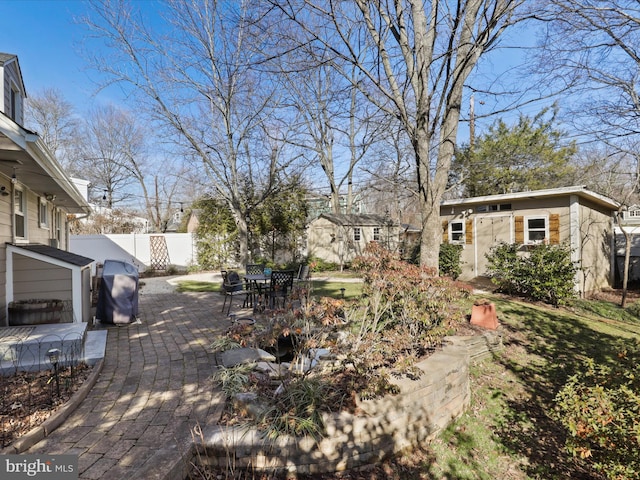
(529, 155)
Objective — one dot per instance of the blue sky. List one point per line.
(47, 40)
(44, 36)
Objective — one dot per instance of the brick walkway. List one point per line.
(153, 389)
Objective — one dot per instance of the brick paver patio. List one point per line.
(154, 388)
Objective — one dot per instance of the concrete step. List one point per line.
(25, 348)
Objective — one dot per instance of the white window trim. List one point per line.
(22, 211)
(377, 234)
(527, 241)
(357, 234)
(43, 204)
(16, 107)
(461, 232)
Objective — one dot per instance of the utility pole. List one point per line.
(472, 121)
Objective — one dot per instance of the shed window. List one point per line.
(356, 234)
(536, 229)
(376, 234)
(456, 232)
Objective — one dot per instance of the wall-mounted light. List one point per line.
(50, 197)
(14, 178)
(3, 191)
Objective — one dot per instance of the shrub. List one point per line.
(544, 272)
(634, 309)
(600, 408)
(399, 293)
(319, 265)
(449, 260)
(297, 409)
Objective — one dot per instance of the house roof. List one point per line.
(580, 191)
(6, 58)
(54, 253)
(363, 219)
(24, 154)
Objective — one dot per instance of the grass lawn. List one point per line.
(324, 288)
(510, 431)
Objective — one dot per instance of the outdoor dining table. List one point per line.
(259, 283)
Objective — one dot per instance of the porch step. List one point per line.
(25, 348)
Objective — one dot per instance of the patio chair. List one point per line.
(254, 269)
(280, 287)
(232, 286)
(303, 274)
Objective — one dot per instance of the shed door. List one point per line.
(490, 231)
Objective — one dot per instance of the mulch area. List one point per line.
(28, 398)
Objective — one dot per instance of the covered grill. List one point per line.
(118, 293)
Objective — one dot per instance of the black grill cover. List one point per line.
(118, 294)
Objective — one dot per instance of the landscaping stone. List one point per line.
(240, 356)
(387, 425)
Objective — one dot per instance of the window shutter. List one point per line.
(554, 229)
(445, 231)
(468, 232)
(519, 229)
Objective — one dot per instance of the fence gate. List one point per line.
(159, 252)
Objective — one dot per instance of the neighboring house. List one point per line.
(339, 238)
(194, 220)
(319, 204)
(629, 220)
(36, 195)
(574, 215)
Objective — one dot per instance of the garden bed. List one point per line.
(27, 399)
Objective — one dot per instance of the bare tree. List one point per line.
(592, 47)
(332, 123)
(413, 58)
(51, 115)
(109, 139)
(391, 186)
(195, 76)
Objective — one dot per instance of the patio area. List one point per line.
(152, 390)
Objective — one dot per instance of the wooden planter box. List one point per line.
(35, 312)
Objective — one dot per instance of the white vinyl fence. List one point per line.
(136, 248)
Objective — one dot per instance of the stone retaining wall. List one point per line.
(386, 426)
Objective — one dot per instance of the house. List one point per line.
(36, 196)
(573, 215)
(629, 223)
(339, 238)
(318, 204)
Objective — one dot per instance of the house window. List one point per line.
(500, 207)
(376, 234)
(43, 213)
(19, 214)
(57, 225)
(356, 234)
(13, 105)
(456, 232)
(536, 229)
